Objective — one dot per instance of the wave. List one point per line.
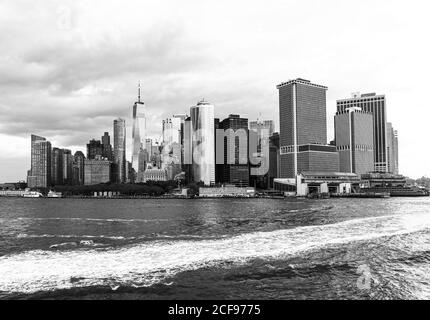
(93, 219)
(146, 264)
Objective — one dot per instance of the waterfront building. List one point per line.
(392, 149)
(354, 140)
(203, 142)
(107, 151)
(155, 175)
(120, 150)
(97, 171)
(227, 191)
(139, 133)
(303, 129)
(172, 147)
(232, 151)
(318, 182)
(375, 104)
(94, 149)
(40, 172)
(79, 168)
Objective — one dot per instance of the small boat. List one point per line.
(53, 194)
(32, 194)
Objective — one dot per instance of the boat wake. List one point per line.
(149, 263)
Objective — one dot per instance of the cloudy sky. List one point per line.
(68, 68)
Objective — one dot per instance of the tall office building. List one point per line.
(94, 149)
(107, 147)
(232, 159)
(57, 166)
(119, 150)
(78, 168)
(40, 172)
(375, 104)
(354, 140)
(67, 167)
(139, 132)
(303, 129)
(396, 152)
(392, 149)
(203, 142)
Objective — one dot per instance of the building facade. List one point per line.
(392, 149)
(155, 175)
(119, 150)
(97, 171)
(232, 151)
(107, 151)
(354, 140)
(40, 172)
(79, 168)
(375, 104)
(203, 142)
(94, 149)
(303, 129)
(259, 125)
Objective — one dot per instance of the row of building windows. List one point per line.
(358, 147)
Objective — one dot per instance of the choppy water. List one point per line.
(197, 249)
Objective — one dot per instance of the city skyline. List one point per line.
(59, 99)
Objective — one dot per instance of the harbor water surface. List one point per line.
(215, 249)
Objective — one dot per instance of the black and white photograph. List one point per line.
(223, 153)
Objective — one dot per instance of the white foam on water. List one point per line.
(152, 262)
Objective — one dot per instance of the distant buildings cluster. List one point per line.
(234, 151)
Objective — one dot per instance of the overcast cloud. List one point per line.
(68, 68)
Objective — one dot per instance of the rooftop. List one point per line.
(300, 81)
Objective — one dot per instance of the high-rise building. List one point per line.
(392, 149)
(119, 130)
(139, 132)
(107, 147)
(396, 169)
(40, 172)
(203, 142)
(172, 147)
(274, 159)
(79, 168)
(67, 167)
(97, 171)
(354, 140)
(57, 166)
(94, 149)
(375, 104)
(233, 167)
(303, 129)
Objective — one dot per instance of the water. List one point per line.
(215, 249)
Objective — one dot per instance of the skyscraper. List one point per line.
(40, 172)
(107, 147)
(354, 140)
(119, 150)
(234, 172)
(396, 152)
(392, 149)
(79, 168)
(375, 104)
(67, 167)
(303, 129)
(57, 166)
(94, 149)
(139, 132)
(203, 142)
